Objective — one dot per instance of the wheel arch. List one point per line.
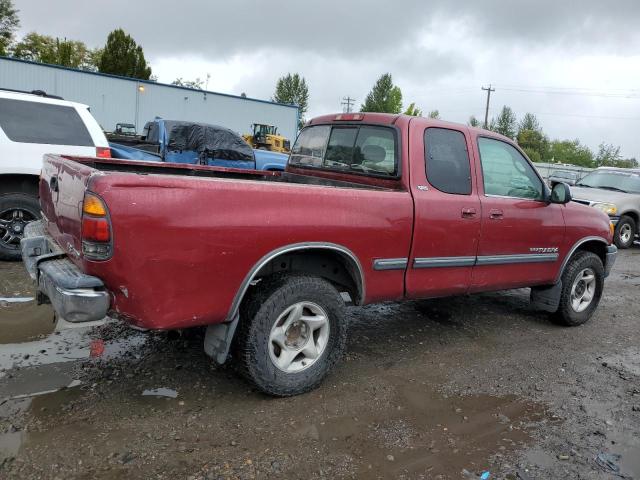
(333, 262)
(597, 245)
(635, 216)
(19, 183)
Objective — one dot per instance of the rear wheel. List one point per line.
(582, 285)
(625, 232)
(16, 210)
(291, 333)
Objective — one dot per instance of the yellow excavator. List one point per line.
(266, 137)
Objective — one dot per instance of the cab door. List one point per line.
(447, 212)
(521, 232)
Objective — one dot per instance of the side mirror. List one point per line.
(560, 193)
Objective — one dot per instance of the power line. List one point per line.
(347, 103)
(486, 111)
(635, 95)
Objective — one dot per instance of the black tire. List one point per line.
(566, 314)
(259, 314)
(29, 209)
(624, 224)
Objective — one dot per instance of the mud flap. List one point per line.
(217, 340)
(547, 298)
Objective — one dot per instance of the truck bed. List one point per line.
(185, 237)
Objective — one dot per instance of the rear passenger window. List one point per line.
(32, 122)
(357, 149)
(447, 161)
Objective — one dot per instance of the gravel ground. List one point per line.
(446, 388)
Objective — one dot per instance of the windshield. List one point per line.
(613, 180)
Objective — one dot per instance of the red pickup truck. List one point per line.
(372, 207)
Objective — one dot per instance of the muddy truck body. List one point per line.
(371, 208)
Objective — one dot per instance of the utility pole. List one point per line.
(347, 103)
(486, 112)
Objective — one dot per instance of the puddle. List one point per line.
(160, 392)
(10, 445)
(39, 404)
(21, 319)
(65, 346)
(431, 433)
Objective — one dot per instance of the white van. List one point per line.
(31, 125)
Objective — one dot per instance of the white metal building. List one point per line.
(114, 99)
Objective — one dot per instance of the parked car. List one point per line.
(196, 143)
(565, 176)
(32, 124)
(616, 192)
(372, 208)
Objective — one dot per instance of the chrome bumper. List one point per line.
(610, 259)
(76, 297)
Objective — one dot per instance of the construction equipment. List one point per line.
(266, 137)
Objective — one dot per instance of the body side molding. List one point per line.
(435, 262)
(520, 258)
(390, 264)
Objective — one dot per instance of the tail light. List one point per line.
(103, 152)
(96, 228)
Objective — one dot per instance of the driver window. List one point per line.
(506, 173)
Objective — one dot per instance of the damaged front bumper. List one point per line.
(75, 297)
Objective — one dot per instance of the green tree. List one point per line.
(384, 97)
(608, 155)
(413, 110)
(533, 155)
(572, 152)
(46, 49)
(534, 141)
(123, 56)
(9, 23)
(529, 122)
(293, 89)
(505, 123)
(474, 122)
(434, 114)
(197, 83)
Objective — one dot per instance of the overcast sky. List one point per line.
(576, 65)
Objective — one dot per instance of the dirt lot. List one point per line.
(446, 388)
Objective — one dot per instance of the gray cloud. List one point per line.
(221, 29)
(439, 52)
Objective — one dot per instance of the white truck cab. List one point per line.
(33, 124)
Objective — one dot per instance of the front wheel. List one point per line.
(625, 232)
(292, 331)
(582, 285)
(16, 210)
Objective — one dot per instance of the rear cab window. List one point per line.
(447, 161)
(43, 123)
(360, 149)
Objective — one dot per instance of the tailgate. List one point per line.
(62, 185)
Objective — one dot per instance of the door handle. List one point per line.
(468, 212)
(496, 214)
(53, 183)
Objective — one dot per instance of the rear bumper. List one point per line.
(76, 297)
(610, 259)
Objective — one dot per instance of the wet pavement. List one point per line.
(447, 388)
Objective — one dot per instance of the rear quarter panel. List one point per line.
(183, 246)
